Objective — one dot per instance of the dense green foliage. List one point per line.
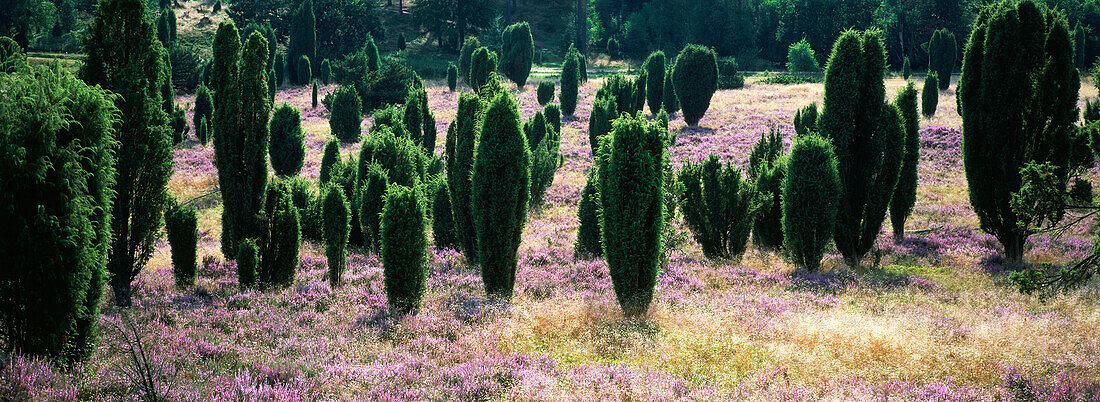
(461, 143)
(1018, 99)
(313, 99)
(347, 114)
(671, 102)
(181, 226)
(517, 53)
(326, 71)
(906, 71)
(336, 227)
(655, 81)
(452, 77)
(373, 184)
(287, 147)
(545, 92)
(589, 241)
(57, 143)
(404, 248)
(639, 94)
(443, 224)
(204, 109)
(801, 58)
(466, 57)
(553, 116)
(695, 77)
(279, 237)
(303, 42)
(930, 95)
(482, 65)
(631, 182)
(728, 75)
(500, 193)
(329, 158)
(248, 261)
(125, 57)
(544, 143)
(905, 192)
(811, 192)
(599, 123)
(622, 91)
(570, 82)
(718, 207)
(942, 51)
(868, 137)
(769, 169)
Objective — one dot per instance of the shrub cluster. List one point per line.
(728, 76)
(805, 120)
(461, 142)
(718, 206)
(942, 51)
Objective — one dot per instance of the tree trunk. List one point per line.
(121, 286)
(899, 235)
(1014, 248)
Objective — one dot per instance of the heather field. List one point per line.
(933, 317)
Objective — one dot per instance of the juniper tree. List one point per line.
(655, 81)
(905, 192)
(868, 137)
(570, 81)
(545, 92)
(329, 158)
(57, 141)
(326, 71)
(248, 261)
(313, 102)
(589, 241)
(768, 168)
(460, 166)
(517, 52)
(469, 46)
(1018, 99)
(452, 77)
(181, 226)
(287, 147)
(125, 57)
(805, 120)
(599, 123)
(671, 102)
(811, 192)
(942, 53)
(930, 95)
(718, 207)
(695, 77)
(279, 238)
(443, 224)
(404, 248)
(347, 114)
(631, 175)
(906, 71)
(304, 69)
(241, 112)
(553, 116)
(500, 193)
(204, 107)
(303, 42)
(374, 182)
(336, 227)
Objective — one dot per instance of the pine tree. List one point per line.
(500, 194)
(905, 193)
(1018, 99)
(124, 56)
(241, 112)
(868, 137)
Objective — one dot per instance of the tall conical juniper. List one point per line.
(867, 134)
(905, 193)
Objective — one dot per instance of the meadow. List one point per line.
(932, 317)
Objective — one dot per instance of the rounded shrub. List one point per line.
(545, 92)
(501, 190)
(287, 147)
(517, 52)
(905, 192)
(452, 77)
(810, 196)
(655, 81)
(718, 207)
(305, 70)
(695, 78)
(466, 56)
(181, 226)
(631, 184)
(930, 95)
(336, 228)
(347, 114)
(404, 248)
(801, 58)
(326, 71)
(248, 259)
(570, 82)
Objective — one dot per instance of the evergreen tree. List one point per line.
(124, 56)
(769, 168)
(404, 248)
(329, 158)
(589, 241)
(57, 141)
(303, 42)
(718, 207)
(671, 102)
(452, 77)
(868, 137)
(906, 71)
(461, 144)
(287, 148)
(326, 71)
(466, 55)
(599, 123)
(570, 81)
(811, 192)
(374, 183)
(204, 107)
(553, 116)
(655, 81)
(930, 95)
(336, 227)
(942, 52)
(241, 112)
(631, 183)
(280, 236)
(805, 120)
(500, 193)
(545, 92)
(1018, 99)
(304, 70)
(347, 114)
(313, 104)
(248, 261)
(181, 226)
(695, 77)
(905, 193)
(517, 52)
(443, 224)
